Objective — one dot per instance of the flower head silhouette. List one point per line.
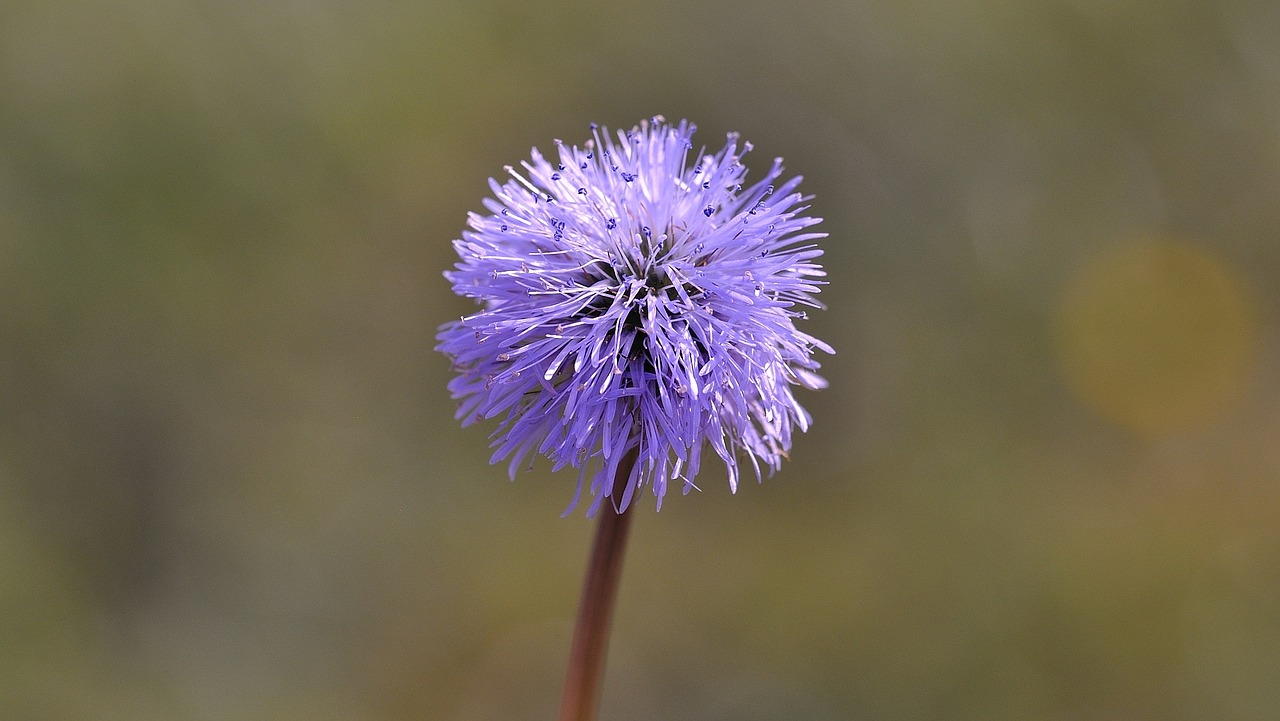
(637, 298)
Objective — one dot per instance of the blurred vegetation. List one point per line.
(1042, 485)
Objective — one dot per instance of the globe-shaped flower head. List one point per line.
(638, 301)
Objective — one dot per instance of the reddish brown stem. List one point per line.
(595, 611)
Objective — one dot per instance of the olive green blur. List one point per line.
(1044, 484)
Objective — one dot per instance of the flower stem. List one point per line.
(595, 611)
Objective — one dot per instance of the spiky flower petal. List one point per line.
(635, 298)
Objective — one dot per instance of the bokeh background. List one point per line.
(1044, 482)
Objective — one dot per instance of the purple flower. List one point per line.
(631, 302)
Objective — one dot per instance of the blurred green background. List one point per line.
(1042, 485)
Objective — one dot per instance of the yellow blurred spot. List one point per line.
(1156, 336)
